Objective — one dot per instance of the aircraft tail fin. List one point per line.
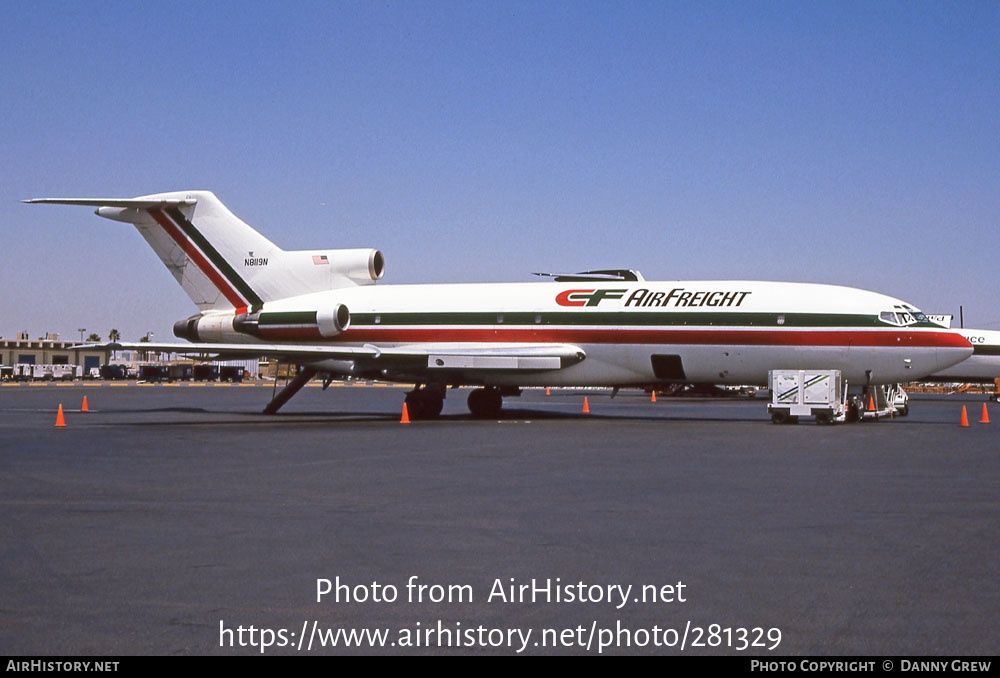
(220, 261)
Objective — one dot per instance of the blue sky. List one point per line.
(840, 142)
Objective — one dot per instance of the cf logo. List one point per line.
(587, 297)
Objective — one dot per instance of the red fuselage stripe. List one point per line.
(730, 337)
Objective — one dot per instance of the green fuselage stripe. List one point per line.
(622, 319)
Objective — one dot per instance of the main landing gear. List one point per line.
(486, 403)
(426, 402)
(291, 388)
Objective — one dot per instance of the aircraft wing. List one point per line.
(295, 353)
(419, 357)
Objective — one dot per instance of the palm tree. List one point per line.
(93, 337)
(113, 335)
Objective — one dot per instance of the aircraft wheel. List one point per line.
(423, 404)
(853, 412)
(434, 404)
(414, 405)
(485, 403)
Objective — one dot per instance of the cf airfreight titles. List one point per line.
(680, 297)
(643, 297)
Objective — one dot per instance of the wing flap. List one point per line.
(503, 357)
(484, 362)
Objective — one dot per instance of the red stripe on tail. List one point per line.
(200, 261)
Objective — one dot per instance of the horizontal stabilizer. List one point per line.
(136, 203)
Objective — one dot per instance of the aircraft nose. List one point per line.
(952, 348)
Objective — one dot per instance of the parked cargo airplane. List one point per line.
(322, 310)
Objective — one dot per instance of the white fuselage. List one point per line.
(724, 332)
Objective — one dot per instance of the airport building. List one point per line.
(49, 351)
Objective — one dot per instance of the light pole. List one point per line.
(81, 330)
(148, 338)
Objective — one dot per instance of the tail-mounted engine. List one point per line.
(324, 323)
(333, 320)
(357, 266)
(209, 328)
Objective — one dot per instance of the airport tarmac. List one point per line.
(167, 518)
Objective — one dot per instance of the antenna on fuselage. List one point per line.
(608, 275)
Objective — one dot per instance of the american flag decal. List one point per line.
(320, 259)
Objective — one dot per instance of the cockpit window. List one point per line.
(920, 317)
(902, 317)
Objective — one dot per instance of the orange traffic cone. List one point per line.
(405, 419)
(586, 407)
(547, 391)
(985, 419)
(871, 403)
(965, 418)
(652, 397)
(84, 408)
(60, 421)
